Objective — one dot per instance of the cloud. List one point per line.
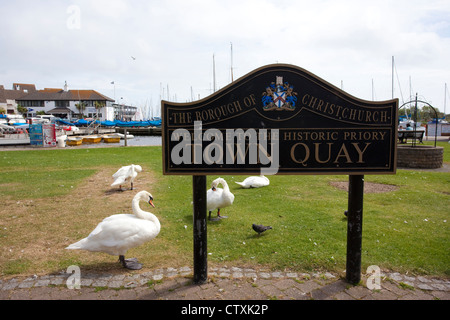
(173, 42)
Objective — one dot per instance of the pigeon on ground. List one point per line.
(260, 228)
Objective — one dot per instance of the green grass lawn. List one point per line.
(404, 230)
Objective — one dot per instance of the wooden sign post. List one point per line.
(200, 229)
(279, 119)
(354, 228)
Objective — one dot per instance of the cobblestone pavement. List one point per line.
(223, 283)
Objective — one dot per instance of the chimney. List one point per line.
(66, 88)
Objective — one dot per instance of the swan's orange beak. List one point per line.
(151, 202)
(213, 188)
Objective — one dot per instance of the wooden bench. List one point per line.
(403, 135)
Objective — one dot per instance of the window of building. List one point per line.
(62, 104)
(31, 103)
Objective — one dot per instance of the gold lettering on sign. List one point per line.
(344, 112)
(335, 153)
(343, 153)
(182, 117)
(211, 113)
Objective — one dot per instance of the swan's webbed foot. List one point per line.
(131, 263)
(212, 219)
(219, 216)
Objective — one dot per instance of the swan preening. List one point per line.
(218, 198)
(254, 182)
(126, 174)
(120, 232)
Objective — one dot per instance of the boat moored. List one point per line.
(92, 139)
(10, 135)
(111, 138)
(74, 141)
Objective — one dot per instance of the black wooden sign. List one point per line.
(279, 119)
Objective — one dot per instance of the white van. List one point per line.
(15, 119)
(36, 120)
(48, 117)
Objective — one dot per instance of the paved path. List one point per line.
(223, 284)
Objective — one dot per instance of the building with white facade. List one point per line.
(8, 97)
(68, 104)
(65, 103)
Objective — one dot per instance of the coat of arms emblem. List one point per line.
(279, 96)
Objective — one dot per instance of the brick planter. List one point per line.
(425, 157)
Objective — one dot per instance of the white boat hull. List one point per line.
(13, 139)
(122, 136)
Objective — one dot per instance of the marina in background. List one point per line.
(56, 132)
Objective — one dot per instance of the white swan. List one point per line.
(120, 232)
(125, 174)
(254, 182)
(218, 198)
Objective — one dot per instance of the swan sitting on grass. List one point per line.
(218, 198)
(254, 182)
(120, 232)
(126, 174)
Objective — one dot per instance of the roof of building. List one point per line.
(24, 87)
(50, 94)
(59, 110)
(6, 94)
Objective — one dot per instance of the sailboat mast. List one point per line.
(231, 43)
(445, 97)
(214, 74)
(392, 77)
(373, 99)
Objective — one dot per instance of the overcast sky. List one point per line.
(152, 48)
